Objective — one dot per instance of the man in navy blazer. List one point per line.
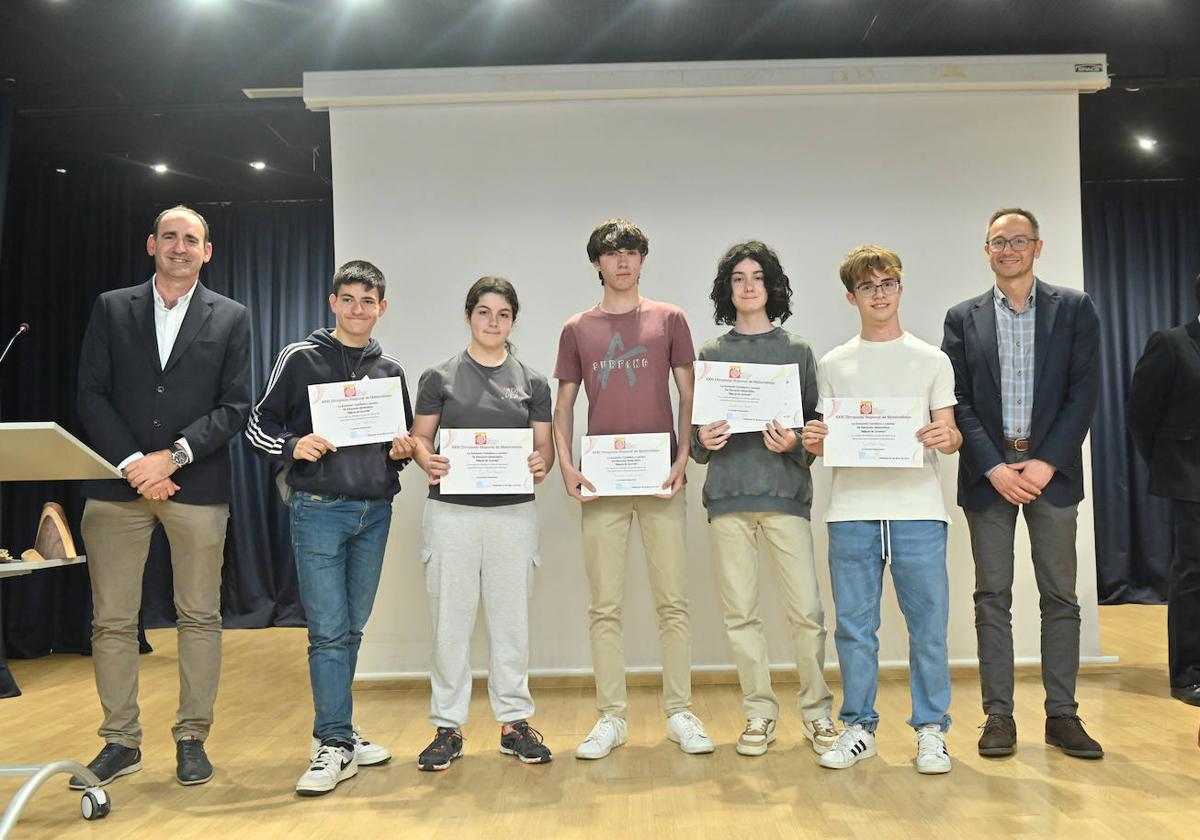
(164, 384)
(1164, 420)
(1026, 369)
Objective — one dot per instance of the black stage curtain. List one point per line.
(1141, 255)
(83, 233)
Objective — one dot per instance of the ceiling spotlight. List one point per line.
(1147, 144)
(1133, 89)
(60, 170)
(258, 164)
(160, 168)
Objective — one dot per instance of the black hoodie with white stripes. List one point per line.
(281, 417)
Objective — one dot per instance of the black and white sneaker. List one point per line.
(367, 752)
(333, 765)
(446, 746)
(523, 741)
(854, 744)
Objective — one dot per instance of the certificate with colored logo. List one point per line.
(486, 461)
(874, 431)
(626, 465)
(747, 396)
(358, 412)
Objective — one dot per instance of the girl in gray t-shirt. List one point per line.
(482, 546)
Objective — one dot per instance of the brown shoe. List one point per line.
(1066, 732)
(999, 736)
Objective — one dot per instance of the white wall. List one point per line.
(439, 194)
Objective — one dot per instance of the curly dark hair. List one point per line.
(779, 290)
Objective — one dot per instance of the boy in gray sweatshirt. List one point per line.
(761, 482)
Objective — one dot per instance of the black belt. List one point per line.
(1017, 444)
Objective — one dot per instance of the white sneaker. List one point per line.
(606, 736)
(332, 766)
(932, 755)
(367, 753)
(686, 730)
(822, 733)
(853, 744)
(756, 737)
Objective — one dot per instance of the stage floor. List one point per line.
(1147, 786)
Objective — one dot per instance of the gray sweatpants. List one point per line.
(474, 554)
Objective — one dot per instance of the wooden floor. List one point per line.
(1148, 786)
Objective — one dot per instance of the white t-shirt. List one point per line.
(902, 367)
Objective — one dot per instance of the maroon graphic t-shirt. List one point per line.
(624, 362)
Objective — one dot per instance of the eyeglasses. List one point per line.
(888, 287)
(1018, 243)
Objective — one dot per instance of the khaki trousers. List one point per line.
(788, 540)
(606, 523)
(117, 535)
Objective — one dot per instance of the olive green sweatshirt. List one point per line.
(744, 476)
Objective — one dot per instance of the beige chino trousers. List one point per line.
(117, 536)
(788, 540)
(662, 522)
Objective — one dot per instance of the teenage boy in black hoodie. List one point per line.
(341, 509)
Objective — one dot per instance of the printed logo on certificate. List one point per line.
(626, 465)
(359, 412)
(486, 461)
(747, 396)
(874, 432)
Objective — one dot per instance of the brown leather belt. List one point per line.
(1017, 444)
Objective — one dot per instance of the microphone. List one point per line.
(21, 330)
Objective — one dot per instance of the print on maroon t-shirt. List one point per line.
(640, 347)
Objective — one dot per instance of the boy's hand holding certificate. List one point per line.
(747, 396)
(358, 412)
(484, 461)
(626, 465)
(874, 432)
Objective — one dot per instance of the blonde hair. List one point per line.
(864, 259)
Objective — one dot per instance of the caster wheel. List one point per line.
(95, 804)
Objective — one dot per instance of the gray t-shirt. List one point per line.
(469, 395)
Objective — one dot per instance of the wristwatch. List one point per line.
(179, 456)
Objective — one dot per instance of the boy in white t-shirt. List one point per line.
(879, 515)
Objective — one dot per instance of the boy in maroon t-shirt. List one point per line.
(623, 351)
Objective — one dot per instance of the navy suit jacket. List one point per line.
(1066, 383)
(1164, 411)
(128, 402)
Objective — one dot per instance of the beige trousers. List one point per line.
(606, 524)
(788, 540)
(117, 536)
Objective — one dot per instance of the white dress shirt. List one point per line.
(167, 322)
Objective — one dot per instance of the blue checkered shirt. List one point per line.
(1014, 338)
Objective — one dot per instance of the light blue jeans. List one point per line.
(338, 544)
(858, 551)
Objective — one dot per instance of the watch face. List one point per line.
(179, 457)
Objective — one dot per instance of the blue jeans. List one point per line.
(917, 549)
(338, 545)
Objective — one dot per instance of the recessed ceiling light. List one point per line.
(60, 170)
(1146, 144)
(160, 168)
(258, 164)
(1133, 89)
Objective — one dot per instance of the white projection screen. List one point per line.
(442, 176)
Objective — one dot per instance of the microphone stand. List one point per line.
(8, 685)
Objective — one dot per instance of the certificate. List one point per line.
(358, 412)
(747, 396)
(874, 432)
(486, 460)
(626, 465)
